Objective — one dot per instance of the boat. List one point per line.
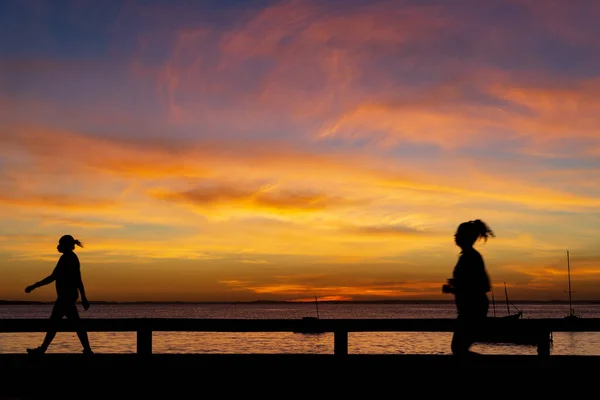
(505, 331)
(572, 316)
(310, 324)
(508, 316)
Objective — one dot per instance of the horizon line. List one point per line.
(390, 301)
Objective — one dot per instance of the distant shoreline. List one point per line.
(263, 302)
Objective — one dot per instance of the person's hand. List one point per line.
(28, 289)
(448, 287)
(85, 303)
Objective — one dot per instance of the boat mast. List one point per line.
(569, 274)
(506, 295)
(317, 305)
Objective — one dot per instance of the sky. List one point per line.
(280, 150)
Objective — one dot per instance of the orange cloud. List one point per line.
(391, 230)
(267, 197)
(319, 57)
(323, 299)
(146, 160)
(446, 118)
(314, 53)
(80, 223)
(362, 288)
(59, 148)
(57, 201)
(413, 122)
(255, 262)
(547, 274)
(566, 112)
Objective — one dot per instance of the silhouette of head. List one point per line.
(469, 232)
(67, 243)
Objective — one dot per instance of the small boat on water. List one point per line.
(504, 330)
(310, 325)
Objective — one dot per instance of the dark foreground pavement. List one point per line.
(283, 376)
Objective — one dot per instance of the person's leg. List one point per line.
(73, 315)
(467, 326)
(58, 312)
(477, 327)
(460, 342)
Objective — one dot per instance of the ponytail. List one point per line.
(481, 230)
(472, 231)
(70, 241)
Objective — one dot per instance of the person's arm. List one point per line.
(49, 279)
(448, 287)
(84, 301)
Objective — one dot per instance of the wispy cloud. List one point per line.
(267, 197)
(57, 201)
(79, 223)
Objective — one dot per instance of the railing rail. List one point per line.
(538, 328)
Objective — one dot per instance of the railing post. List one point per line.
(144, 341)
(340, 343)
(543, 347)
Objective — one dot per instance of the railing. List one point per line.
(537, 331)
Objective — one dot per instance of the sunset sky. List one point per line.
(277, 150)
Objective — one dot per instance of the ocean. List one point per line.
(576, 343)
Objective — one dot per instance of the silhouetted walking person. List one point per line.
(470, 284)
(67, 275)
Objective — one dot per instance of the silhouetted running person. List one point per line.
(470, 284)
(67, 275)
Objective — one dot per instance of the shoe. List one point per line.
(88, 352)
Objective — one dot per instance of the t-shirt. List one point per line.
(471, 281)
(67, 274)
